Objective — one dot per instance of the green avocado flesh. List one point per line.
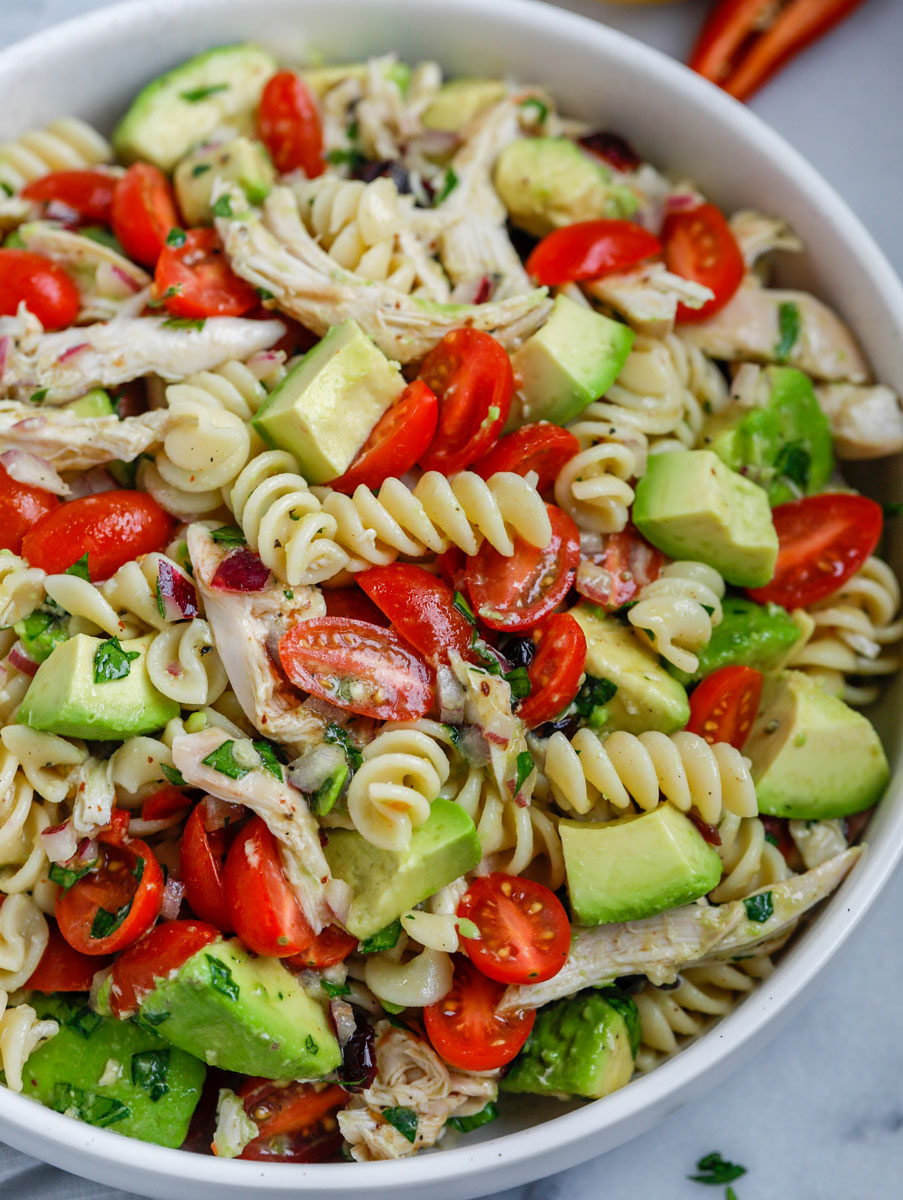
(750, 635)
(240, 160)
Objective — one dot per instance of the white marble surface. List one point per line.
(818, 1115)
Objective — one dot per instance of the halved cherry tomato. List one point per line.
(589, 250)
(116, 829)
(332, 945)
(21, 506)
(541, 447)
(115, 903)
(294, 1120)
(471, 375)
(525, 934)
(288, 124)
(63, 969)
(195, 281)
(262, 906)
(555, 670)
(452, 567)
(465, 1028)
(352, 602)
(724, 705)
(112, 528)
(823, 541)
(699, 246)
(613, 577)
(165, 802)
(518, 592)
(421, 607)
(359, 667)
(202, 859)
(87, 193)
(144, 211)
(41, 284)
(163, 949)
(398, 439)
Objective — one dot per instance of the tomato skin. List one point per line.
(525, 930)
(144, 210)
(63, 969)
(262, 907)
(288, 124)
(165, 802)
(352, 602)
(293, 1120)
(540, 447)
(823, 540)
(88, 193)
(627, 563)
(518, 592)
(328, 656)
(724, 705)
(41, 284)
(162, 950)
(331, 945)
(112, 885)
(202, 282)
(471, 375)
(700, 246)
(112, 528)
(555, 671)
(421, 607)
(21, 506)
(589, 250)
(464, 1027)
(398, 439)
(202, 858)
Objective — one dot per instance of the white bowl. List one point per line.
(92, 66)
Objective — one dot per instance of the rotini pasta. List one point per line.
(183, 663)
(23, 939)
(391, 792)
(23, 860)
(676, 613)
(65, 144)
(20, 1035)
(750, 860)
(21, 588)
(594, 487)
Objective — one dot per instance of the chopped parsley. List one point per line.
(893, 509)
(789, 325)
(223, 207)
(793, 463)
(590, 702)
(84, 1020)
(383, 939)
(223, 759)
(335, 989)
(80, 568)
(229, 535)
(149, 1071)
(310, 1045)
(488, 661)
(519, 682)
(39, 396)
(173, 775)
(542, 110)
(151, 1019)
(759, 908)
(404, 1120)
(454, 734)
(40, 633)
(475, 1120)
(100, 1111)
(264, 293)
(716, 1171)
(271, 763)
(335, 733)
(221, 978)
(111, 662)
(525, 766)
(200, 169)
(176, 236)
(351, 156)
(449, 183)
(464, 608)
(196, 323)
(106, 923)
(196, 95)
(67, 876)
(771, 838)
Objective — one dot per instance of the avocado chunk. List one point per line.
(785, 447)
(321, 79)
(186, 105)
(692, 506)
(547, 182)
(812, 756)
(750, 635)
(325, 408)
(585, 1045)
(75, 692)
(570, 362)
(636, 866)
(96, 403)
(647, 696)
(387, 883)
(460, 100)
(116, 1075)
(241, 161)
(243, 1013)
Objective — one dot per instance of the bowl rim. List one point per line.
(707, 1060)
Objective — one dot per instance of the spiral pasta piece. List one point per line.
(390, 795)
(183, 664)
(23, 818)
(49, 762)
(20, 1035)
(676, 613)
(202, 453)
(750, 861)
(21, 588)
(65, 144)
(23, 939)
(594, 488)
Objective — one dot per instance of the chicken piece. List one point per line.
(648, 297)
(280, 805)
(73, 361)
(244, 624)
(758, 235)
(866, 422)
(488, 707)
(749, 327)
(272, 249)
(817, 841)
(658, 947)
(73, 443)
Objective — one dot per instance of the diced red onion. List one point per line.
(87, 851)
(172, 899)
(4, 348)
(338, 896)
(343, 1019)
(594, 582)
(219, 813)
(613, 149)
(72, 351)
(30, 424)
(681, 202)
(60, 842)
(242, 571)
(452, 696)
(323, 708)
(435, 143)
(123, 276)
(36, 472)
(473, 746)
(139, 827)
(473, 291)
(315, 766)
(21, 661)
(497, 739)
(93, 482)
(177, 594)
(57, 210)
(591, 543)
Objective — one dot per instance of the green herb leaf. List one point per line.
(488, 661)
(222, 759)
(793, 462)
(454, 734)
(759, 908)
(40, 633)
(223, 207)
(383, 939)
(525, 765)
(221, 978)
(404, 1120)
(730, 1194)
(39, 396)
(464, 608)
(264, 293)
(352, 157)
(483, 1117)
(892, 509)
(771, 838)
(151, 1019)
(100, 1111)
(197, 323)
(789, 325)
(66, 876)
(716, 1171)
(80, 568)
(310, 1045)
(327, 794)
(195, 95)
(449, 183)
(201, 169)
(176, 236)
(335, 733)
(84, 1020)
(229, 535)
(149, 1071)
(173, 775)
(542, 110)
(335, 989)
(271, 763)
(106, 923)
(111, 662)
(594, 694)
(519, 681)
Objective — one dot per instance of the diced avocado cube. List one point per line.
(65, 696)
(186, 105)
(386, 883)
(458, 102)
(636, 866)
(325, 408)
(750, 635)
(243, 1013)
(692, 506)
(813, 757)
(571, 361)
(585, 1045)
(96, 403)
(785, 447)
(113, 1074)
(647, 696)
(548, 182)
(241, 160)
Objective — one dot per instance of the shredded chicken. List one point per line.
(758, 235)
(648, 297)
(866, 422)
(73, 443)
(488, 706)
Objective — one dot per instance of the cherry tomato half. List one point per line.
(63, 969)
(144, 211)
(471, 375)
(555, 671)
(398, 439)
(699, 246)
(352, 602)
(295, 1120)
(541, 447)
(21, 506)
(525, 934)
(331, 945)
(163, 803)
(41, 284)
(627, 563)
(589, 250)
(87, 193)
(823, 540)
(115, 903)
(202, 858)
(724, 705)
(262, 906)
(163, 949)
(195, 281)
(359, 667)
(421, 607)
(288, 124)
(465, 1028)
(518, 592)
(112, 528)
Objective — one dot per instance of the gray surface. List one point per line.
(818, 1114)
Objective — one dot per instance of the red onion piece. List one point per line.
(242, 571)
(594, 582)
(473, 746)
(4, 349)
(452, 696)
(219, 813)
(123, 277)
(613, 149)
(315, 766)
(338, 896)
(172, 899)
(87, 851)
(176, 593)
(93, 482)
(36, 472)
(23, 662)
(60, 842)
(682, 202)
(72, 351)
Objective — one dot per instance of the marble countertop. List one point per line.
(818, 1114)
